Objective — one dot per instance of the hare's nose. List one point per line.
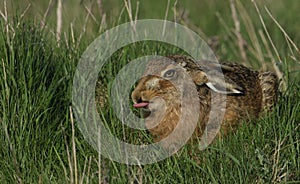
(136, 98)
(139, 102)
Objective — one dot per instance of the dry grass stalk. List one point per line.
(136, 11)
(255, 48)
(46, 14)
(89, 11)
(182, 16)
(10, 144)
(59, 20)
(175, 11)
(276, 68)
(128, 7)
(166, 16)
(84, 170)
(99, 157)
(23, 14)
(103, 24)
(289, 40)
(74, 146)
(240, 40)
(266, 45)
(83, 30)
(7, 25)
(89, 169)
(100, 7)
(69, 160)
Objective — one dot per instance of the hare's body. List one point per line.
(247, 93)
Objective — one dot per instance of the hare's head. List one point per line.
(159, 91)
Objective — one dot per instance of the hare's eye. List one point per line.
(169, 73)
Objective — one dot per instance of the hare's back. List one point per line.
(249, 102)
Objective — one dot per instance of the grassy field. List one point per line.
(39, 140)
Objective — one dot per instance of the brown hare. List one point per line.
(247, 93)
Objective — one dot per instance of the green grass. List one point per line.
(39, 140)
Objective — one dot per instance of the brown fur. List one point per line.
(258, 91)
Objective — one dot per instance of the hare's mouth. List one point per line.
(141, 105)
(154, 106)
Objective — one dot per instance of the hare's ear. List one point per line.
(216, 82)
(224, 85)
(224, 88)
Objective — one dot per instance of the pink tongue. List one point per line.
(140, 105)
